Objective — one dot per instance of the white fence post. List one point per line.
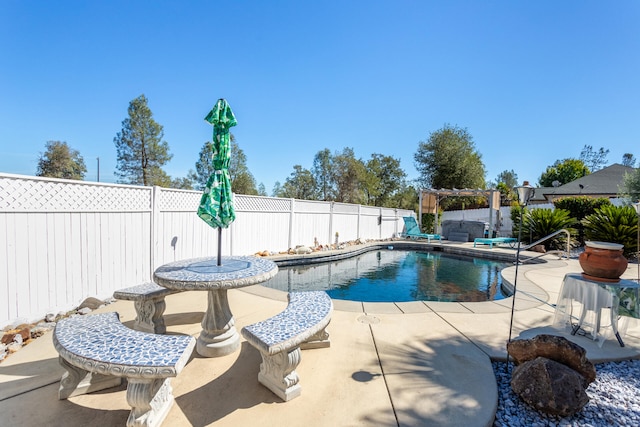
(155, 214)
(291, 219)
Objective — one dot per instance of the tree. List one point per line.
(348, 173)
(61, 161)
(204, 166)
(405, 198)
(182, 183)
(506, 181)
(141, 150)
(631, 186)
(277, 189)
(242, 181)
(592, 159)
(509, 178)
(322, 171)
(628, 160)
(563, 171)
(262, 191)
(300, 185)
(448, 159)
(382, 179)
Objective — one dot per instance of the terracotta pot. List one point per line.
(603, 261)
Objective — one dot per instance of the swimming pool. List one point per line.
(398, 276)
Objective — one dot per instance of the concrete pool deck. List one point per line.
(402, 364)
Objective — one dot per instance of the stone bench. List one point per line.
(279, 339)
(97, 350)
(148, 299)
(458, 236)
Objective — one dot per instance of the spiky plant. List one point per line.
(539, 223)
(617, 224)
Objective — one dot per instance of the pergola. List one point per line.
(430, 200)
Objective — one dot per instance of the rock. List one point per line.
(50, 317)
(84, 310)
(550, 387)
(13, 347)
(91, 303)
(555, 348)
(23, 332)
(303, 250)
(539, 248)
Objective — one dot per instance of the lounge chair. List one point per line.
(412, 230)
(495, 241)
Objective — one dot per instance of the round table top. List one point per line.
(204, 273)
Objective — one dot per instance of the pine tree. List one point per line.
(141, 150)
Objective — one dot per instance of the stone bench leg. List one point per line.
(149, 315)
(77, 381)
(150, 400)
(277, 373)
(319, 340)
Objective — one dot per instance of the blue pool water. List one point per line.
(398, 276)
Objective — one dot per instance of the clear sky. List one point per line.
(532, 81)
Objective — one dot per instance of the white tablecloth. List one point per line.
(595, 306)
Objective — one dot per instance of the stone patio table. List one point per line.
(219, 336)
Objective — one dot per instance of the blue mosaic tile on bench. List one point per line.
(149, 290)
(117, 344)
(305, 310)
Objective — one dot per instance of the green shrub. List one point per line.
(579, 207)
(617, 224)
(428, 222)
(539, 223)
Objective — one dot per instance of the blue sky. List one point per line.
(532, 81)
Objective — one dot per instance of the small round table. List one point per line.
(219, 336)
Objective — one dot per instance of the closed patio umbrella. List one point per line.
(216, 204)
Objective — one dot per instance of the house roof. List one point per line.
(601, 183)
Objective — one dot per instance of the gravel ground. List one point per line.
(614, 400)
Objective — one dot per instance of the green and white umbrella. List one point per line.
(216, 204)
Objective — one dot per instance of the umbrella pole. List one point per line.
(219, 246)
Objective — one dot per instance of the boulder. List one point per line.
(550, 387)
(91, 303)
(555, 348)
(303, 250)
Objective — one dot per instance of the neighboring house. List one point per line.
(606, 182)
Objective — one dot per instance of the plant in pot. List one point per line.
(610, 235)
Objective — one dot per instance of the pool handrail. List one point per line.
(555, 233)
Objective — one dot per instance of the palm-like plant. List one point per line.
(617, 224)
(539, 223)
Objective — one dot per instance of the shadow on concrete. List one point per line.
(237, 387)
(42, 407)
(425, 378)
(28, 376)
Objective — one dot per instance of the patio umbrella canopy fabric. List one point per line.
(216, 204)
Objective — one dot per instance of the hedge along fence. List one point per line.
(64, 241)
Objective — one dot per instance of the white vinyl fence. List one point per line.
(62, 241)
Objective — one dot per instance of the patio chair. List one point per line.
(412, 230)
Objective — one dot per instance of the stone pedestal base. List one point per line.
(219, 336)
(149, 315)
(277, 373)
(150, 401)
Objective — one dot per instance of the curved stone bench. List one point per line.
(97, 350)
(279, 339)
(148, 300)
